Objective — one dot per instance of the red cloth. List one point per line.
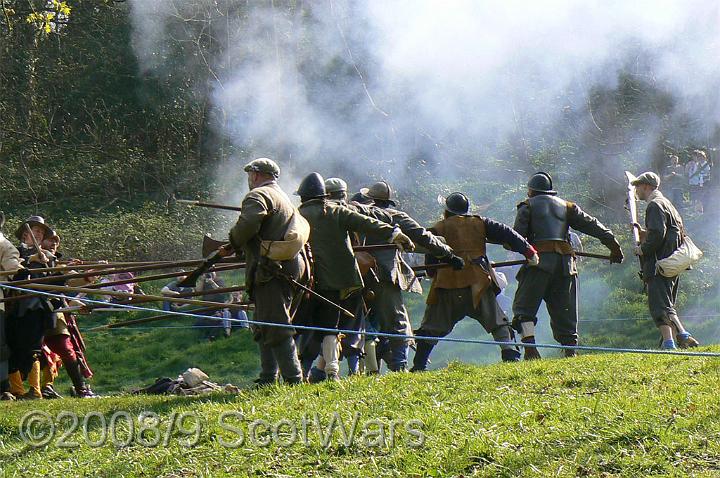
(62, 345)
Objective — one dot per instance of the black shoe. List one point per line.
(7, 396)
(49, 393)
(510, 355)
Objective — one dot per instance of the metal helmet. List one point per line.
(541, 183)
(380, 191)
(313, 186)
(456, 203)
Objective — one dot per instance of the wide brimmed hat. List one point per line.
(32, 221)
(380, 191)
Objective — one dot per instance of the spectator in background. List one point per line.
(697, 169)
(172, 289)
(674, 177)
(215, 322)
(130, 288)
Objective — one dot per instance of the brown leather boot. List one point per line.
(531, 353)
(687, 342)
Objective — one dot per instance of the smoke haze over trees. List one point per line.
(169, 98)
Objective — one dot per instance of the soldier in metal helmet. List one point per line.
(471, 291)
(266, 216)
(337, 276)
(396, 276)
(544, 220)
(662, 235)
(353, 345)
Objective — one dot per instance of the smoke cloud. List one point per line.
(408, 90)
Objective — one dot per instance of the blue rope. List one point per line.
(382, 334)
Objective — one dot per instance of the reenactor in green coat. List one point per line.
(662, 235)
(267, 215)
(395, 275)
(336, 273)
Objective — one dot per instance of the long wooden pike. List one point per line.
(154, 318)
(210, 205)
(81, 275)
(65, 268)
(632, 211)
(134, 280)
(496, 265)
(138, 298)
(192, 293)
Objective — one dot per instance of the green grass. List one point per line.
(596, 415)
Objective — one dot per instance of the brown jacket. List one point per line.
(466, 236)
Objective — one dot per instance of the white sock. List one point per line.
(528, 329)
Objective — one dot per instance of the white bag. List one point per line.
(687, 255)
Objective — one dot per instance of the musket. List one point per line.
(210, 205)
(137, 297)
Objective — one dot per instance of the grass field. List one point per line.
(596, 415)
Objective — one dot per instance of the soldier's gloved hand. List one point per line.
(456, 262)
(616, 255)
(405, 243)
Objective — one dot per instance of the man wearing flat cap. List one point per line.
(268, 218)
(663, 234)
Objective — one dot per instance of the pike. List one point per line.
(145, 299)
(108, 272)
(138, 298)
(145, 320)
(65, 268)
(38, 249)
(495, 265)
(130, 281)
(210, 205)
(632, 211)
